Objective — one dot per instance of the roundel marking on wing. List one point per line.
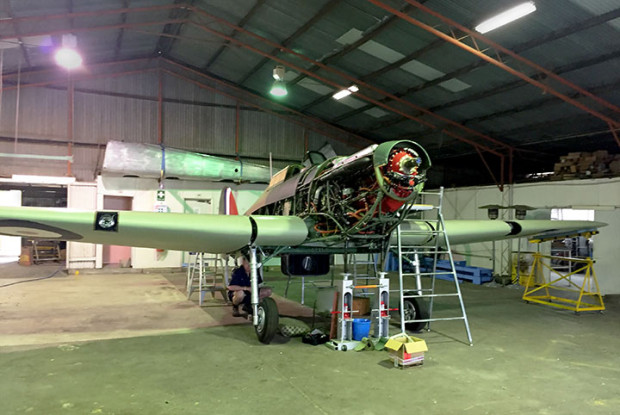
(31, 229)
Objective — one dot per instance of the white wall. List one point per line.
(10, 246)
(144, 194)
(602, 195)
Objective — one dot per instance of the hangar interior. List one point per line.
(524, 115)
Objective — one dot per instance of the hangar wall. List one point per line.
(125, 108)
(602, 195)
(179, 198)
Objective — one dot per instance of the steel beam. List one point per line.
(96, 28)
(477, 52)
(303, 29)
(349, 79)
(241, 23)
(312, 121)
(91, 13)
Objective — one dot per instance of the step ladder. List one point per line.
(412, 255)
(206, 273)
(364, 270)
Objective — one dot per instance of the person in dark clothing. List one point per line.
(240, 290)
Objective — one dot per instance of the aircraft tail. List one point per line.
(228, 204)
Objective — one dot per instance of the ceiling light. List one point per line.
(278, 73)
(278, 89)
(507, 16)
(68, 57)
(345, 92)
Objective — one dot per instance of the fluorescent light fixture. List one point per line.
(68, 57)
(345, 92)
(278, 89)
(508, 16)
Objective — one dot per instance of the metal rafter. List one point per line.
(373, 75)
(48, 18)
(543, 102)
(507, 87)
(182, 11)
(92, 29)
(546, 126)
(90, 65)
(312, 122)
(478, 146)
(9, 12)
(558, 34)
(349, 79)
(368, 35)
(286, 42)
(241, 23)
(121, 32)
(499, 63)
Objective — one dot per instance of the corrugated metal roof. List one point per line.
(579, 39)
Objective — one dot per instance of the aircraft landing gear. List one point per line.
(415, 310)
(268, 318)
(265, 317)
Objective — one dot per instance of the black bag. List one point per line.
(315, 339)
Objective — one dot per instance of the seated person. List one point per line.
(240, 290)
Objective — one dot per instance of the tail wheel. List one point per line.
(415, 310)
(267, 320)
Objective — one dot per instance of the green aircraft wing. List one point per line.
(175, 231)
(418, 232)
(229, 233)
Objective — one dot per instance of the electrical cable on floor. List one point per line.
(33, 279)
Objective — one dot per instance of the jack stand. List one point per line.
(381, 314)
(344, 340)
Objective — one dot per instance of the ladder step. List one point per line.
(430, 295)
(426, 274)
(422, 290)
(420, 250)
(435, 319)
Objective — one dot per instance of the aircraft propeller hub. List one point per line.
(403, 166)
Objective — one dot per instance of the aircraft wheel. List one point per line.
(267, 320)
(415, 310)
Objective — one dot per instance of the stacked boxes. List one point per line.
(582, 165)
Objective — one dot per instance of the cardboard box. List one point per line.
(406, 350)
(361, 305)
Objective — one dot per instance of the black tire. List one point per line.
(415, 310)
(267, 320)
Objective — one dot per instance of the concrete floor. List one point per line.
(131, 344)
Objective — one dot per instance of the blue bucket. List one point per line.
(361, 328)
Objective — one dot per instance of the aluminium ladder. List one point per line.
(202, 278)
(434, 251)
(364, 270)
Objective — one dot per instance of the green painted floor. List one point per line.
(526, 359)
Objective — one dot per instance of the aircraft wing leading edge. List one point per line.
(419, 232)
(174, 231)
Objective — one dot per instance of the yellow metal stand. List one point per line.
(587, 300)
